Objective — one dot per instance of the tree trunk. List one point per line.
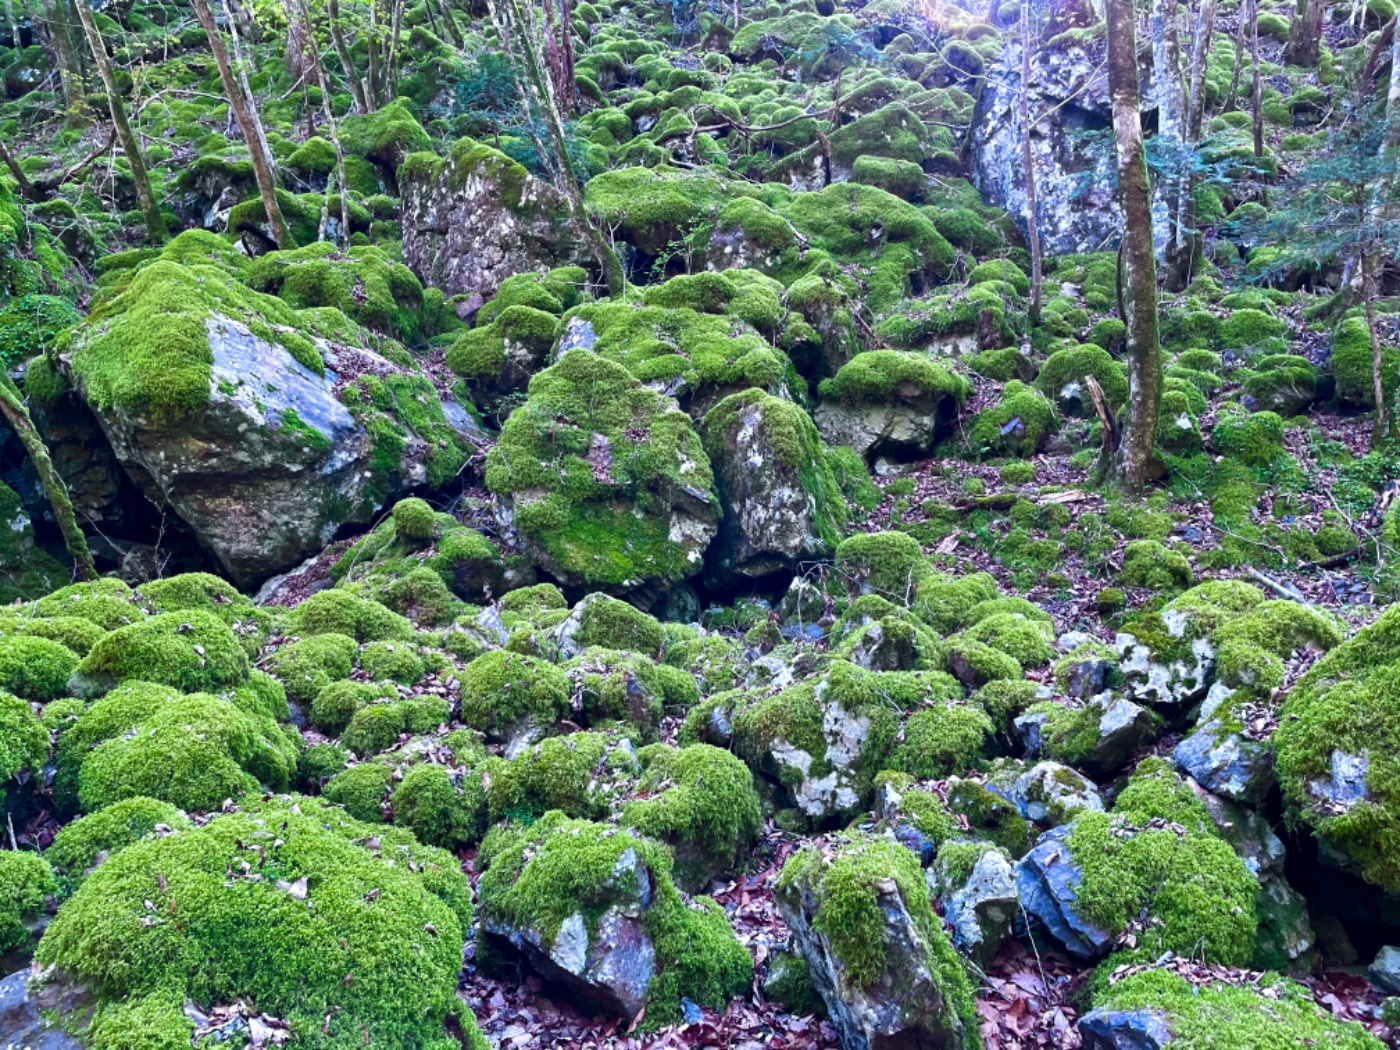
(1171, 118)
(324, 84)
(1028, 158)
(392, 71)
(1304, 33)
(1241, 35)
(26, 188)
(566, 12)
(352, 79)
(12, 407)
(70, 64)
(1257, 92)
(155, 222)
(372, 76)
(534, 92)
(247, 123)
(1368, 296)
(1135, 463)
(1192, 239)
(233, 19)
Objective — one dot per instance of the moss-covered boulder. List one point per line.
(476, 217)
(782, 502)
(861, 916)
(264, 428)
(347, 932)
(607, 485)
(594, 910)
(192, 650)
(889, 402)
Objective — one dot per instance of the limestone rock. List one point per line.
(984, 910)
(1124, 1030)
(22, 1015)
(1047, 879)
(1050, 793)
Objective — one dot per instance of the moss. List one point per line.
(317, 764)
(35, 668)
(340, 612)
(978, 663)
(109, 603)
(25, 880)
(1146, 563)
(989, 815)
(1255, 439)
(191, 650)
(307, 666)
(700, 800)
(608, 623)
(414, 519)
(1016, 426)
(146, 350)
(377, 727)
(1064, 367)
(660, 210)
(843, 893)
(902, 178)
(1029, 641)
(942, 740)
(527, 601)
(500, 689)
(111, 829)
(566, 773)
(1352, 364)
(362, 789)
(587, 525)
(889, 564)
(1271, 1014)
(876, 374)
(371, 939)
(440, 808)
(1196, 889)
(944, 602)
(537, 877)
(337, 703)
(192, 751)
(395, 661)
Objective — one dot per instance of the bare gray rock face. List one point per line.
(22, 1015)
(983, 911)
(479, 217)
(905, 423)
(1076, 210)
(1048, 881)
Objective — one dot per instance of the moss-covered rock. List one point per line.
(25, 881)
(505, 693)
(94, 838)
(193, 651)
(889, 402)
(608, 486)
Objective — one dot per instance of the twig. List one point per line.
(1283, 590)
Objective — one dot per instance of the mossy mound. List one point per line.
(81, 844)
(194, 651)
(25, 881)
(287, 906)
(609, 486)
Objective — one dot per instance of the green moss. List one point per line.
(700, 800)
(942, 740)
(1255, 439)
(537, 877)
(1016, 426)
(337, 703)
(340, 612)
(317, 764)
(612, 624)
(25, 880)
(847, 889)
(1029, 641)
(377, 727)
(307, 666)
(528, 601)
(109, 603)
(191, 650)
(146, 350)
(945, 602)
(1352, 364)
(1192, 884)
(395, 661)
(362, 789)
(371, 939)
(500, 689)
(989, 815)
(1146, 563)
(587, 526)
(35, 668)
(1064, 367)
(193, 752)
(111, 829)
(1272, 1014)
(566, 773)
(440, 808)
(875, 374)
(890, 564)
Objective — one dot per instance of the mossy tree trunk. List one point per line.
(1371, 260)
(342, 52)
(1192, 239)
(150, 211)
(70, 63)
(1171, 119)
(234, 14)
(1304, 34)
(1241, 35)
(1256, 87)
(1028, 158)
(248, 123)
(514, 30)
(1135, 463)
(12, 407)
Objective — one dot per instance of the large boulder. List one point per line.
(264, 429)
(782, 502)
(604, 481)
(476, 217)
(1074, 181)
(860, 914)
(888, 402)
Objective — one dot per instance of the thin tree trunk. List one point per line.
(1171, 116)
(566, 9)
(1241, 35)
(554, 54)
(1257, 92)
(392, 79)
(26, 188)
(454, 34)
(372, 76)
(357, 92)
(1195, 120)
(70, 65)
(247, 123)
(1135, 463)
(155, 222)
(534, 90)
(1368, 298)
(1028, 158)
(12, 407)
(14, 25)
(323, 83)
(248, 90)
(1304, 33)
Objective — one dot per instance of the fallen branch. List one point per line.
(1283, 590)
